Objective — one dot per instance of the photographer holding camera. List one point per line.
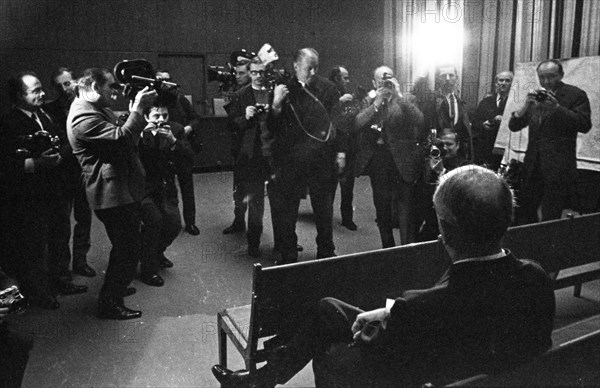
(32, 184)
(300, 144)
(107, 150)
(247, 113)
(554, 115)
(389, 125)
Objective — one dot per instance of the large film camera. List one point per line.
(274, 75)
(32, 146)
(136, 74)
(225, 75)
(13, 299)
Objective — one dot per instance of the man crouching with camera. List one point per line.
(107, 150)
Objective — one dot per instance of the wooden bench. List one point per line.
(282, 295)
(574, 360)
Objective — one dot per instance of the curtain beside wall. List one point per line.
(498, 34)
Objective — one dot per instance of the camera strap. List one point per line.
(300, 121)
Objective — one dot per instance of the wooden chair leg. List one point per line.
(222, 340)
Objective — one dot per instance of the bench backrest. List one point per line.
(282, 295)
(558, 244)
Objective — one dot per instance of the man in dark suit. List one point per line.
(389, 127)
(181, 111)
(554, 120)
(486, 122)
(300, 144)
(32, 186)
(162, 147)
(488, 312)
(114, 178)
(351, 105)
(74, 193)
(248, 112)
(447, 110)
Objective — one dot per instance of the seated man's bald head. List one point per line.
(474, 206)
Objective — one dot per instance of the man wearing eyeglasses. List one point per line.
(114, 178)
(247, 112)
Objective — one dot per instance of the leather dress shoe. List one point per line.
(163, 262)
(84, 270)
(129, 291)
(46, 302)
(236, 227)
(238, 379)
(349, 225)
(152, 279)
(192, 229)
(112, 309)
(68, 288)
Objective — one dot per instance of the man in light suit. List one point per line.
(389, 127)
(114, 178)
(488, 312)
(554, 121)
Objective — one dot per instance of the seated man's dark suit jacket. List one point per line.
(108, 154)
(481, 317)
(553, 139)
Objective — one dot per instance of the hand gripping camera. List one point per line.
(13, 299)
(34, 145)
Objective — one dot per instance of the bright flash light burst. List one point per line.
(438, 40)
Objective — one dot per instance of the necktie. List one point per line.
(35, 118)
(452, 111)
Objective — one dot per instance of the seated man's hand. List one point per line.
(362, 331)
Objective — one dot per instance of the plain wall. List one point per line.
(41, 35)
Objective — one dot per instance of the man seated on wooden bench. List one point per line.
(488, 312)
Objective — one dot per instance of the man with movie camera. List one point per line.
(32, 184)
(162, 147)
(389, 125)
(240, 61)
(14, 345)
(106, 148)
(555, 115)
(247, 111)
(300, 146)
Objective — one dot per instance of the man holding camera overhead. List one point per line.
(389, 154)
(114, 178)
(554, 114)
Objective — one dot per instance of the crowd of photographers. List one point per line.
(300, 132)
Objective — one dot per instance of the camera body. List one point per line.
(387, 83)
(541, 95)
(34, 145)
(12, 298)
(260, 108)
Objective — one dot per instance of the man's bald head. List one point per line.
(474, 206)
